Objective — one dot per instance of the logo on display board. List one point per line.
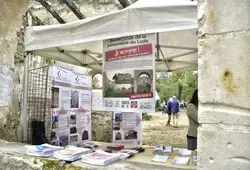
(133, 104)
(59, 74)
(77, 79)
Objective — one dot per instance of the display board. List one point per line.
(129, 84)
(127, 128)
(129, 73)
(71, 107)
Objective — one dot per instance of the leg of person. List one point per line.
(169, 119)
(177, 117)
(173, 119)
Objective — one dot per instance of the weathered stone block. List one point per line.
(223, 147)
(6, 85)
(224, 70)
(217, 16)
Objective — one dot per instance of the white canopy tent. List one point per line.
(81, 43)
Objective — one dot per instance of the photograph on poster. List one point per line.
(116, 126)
(118, 117)
(73, 119)
(64, 140)
(127, 83)
(73, 130)
(73, 138)
(85, 135)
(55, 97)
(74, 99)
(54, 122)
(130, 135)
(118, 136)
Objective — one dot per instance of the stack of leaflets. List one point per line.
(184, 152)
(115, 147)
(158, 149)
(181, 160)
(100, 158)
(71, 153)
(158, 158)
(195, 160)
(89, 144)
(127, 153)
(163, 150)
(44, 150)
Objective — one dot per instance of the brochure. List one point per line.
(158, 158)
(44, 150)
(181, 160)
(100, 158)
(184, 152)
(195, 160)
(71, 153)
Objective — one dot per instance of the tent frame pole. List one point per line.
(24, 112)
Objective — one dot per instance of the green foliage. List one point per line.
(110, 93)
(180, 84)
(146, 117)
(95, 82)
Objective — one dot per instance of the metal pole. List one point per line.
(157, 45)
(24, 120)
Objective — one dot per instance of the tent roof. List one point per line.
(80, 42)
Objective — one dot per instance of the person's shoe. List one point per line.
(168, 125)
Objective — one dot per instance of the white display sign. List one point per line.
(127, 128)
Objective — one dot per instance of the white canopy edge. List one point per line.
(141, 18)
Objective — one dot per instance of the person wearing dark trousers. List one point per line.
(168, 110)
(175, 108)
(192, 114)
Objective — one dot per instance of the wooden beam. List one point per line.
(124, 3)
(71, 5)
(35, 20)
(52, 11)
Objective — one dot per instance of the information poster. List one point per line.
(71, 107)
(97, 104)
(127, 128)
(129, 74)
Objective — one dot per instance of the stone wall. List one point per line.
(101, 126)
(224, 84)
(11, 12)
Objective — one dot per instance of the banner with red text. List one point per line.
(129, 73)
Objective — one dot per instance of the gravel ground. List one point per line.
(156, 131)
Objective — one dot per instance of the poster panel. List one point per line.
(97, 100)
(129, 74)
(71, 107)
(127, 128)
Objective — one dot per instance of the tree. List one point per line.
(178, 77)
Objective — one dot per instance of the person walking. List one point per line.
(175, 108)
(167, 110)
(192, 113)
